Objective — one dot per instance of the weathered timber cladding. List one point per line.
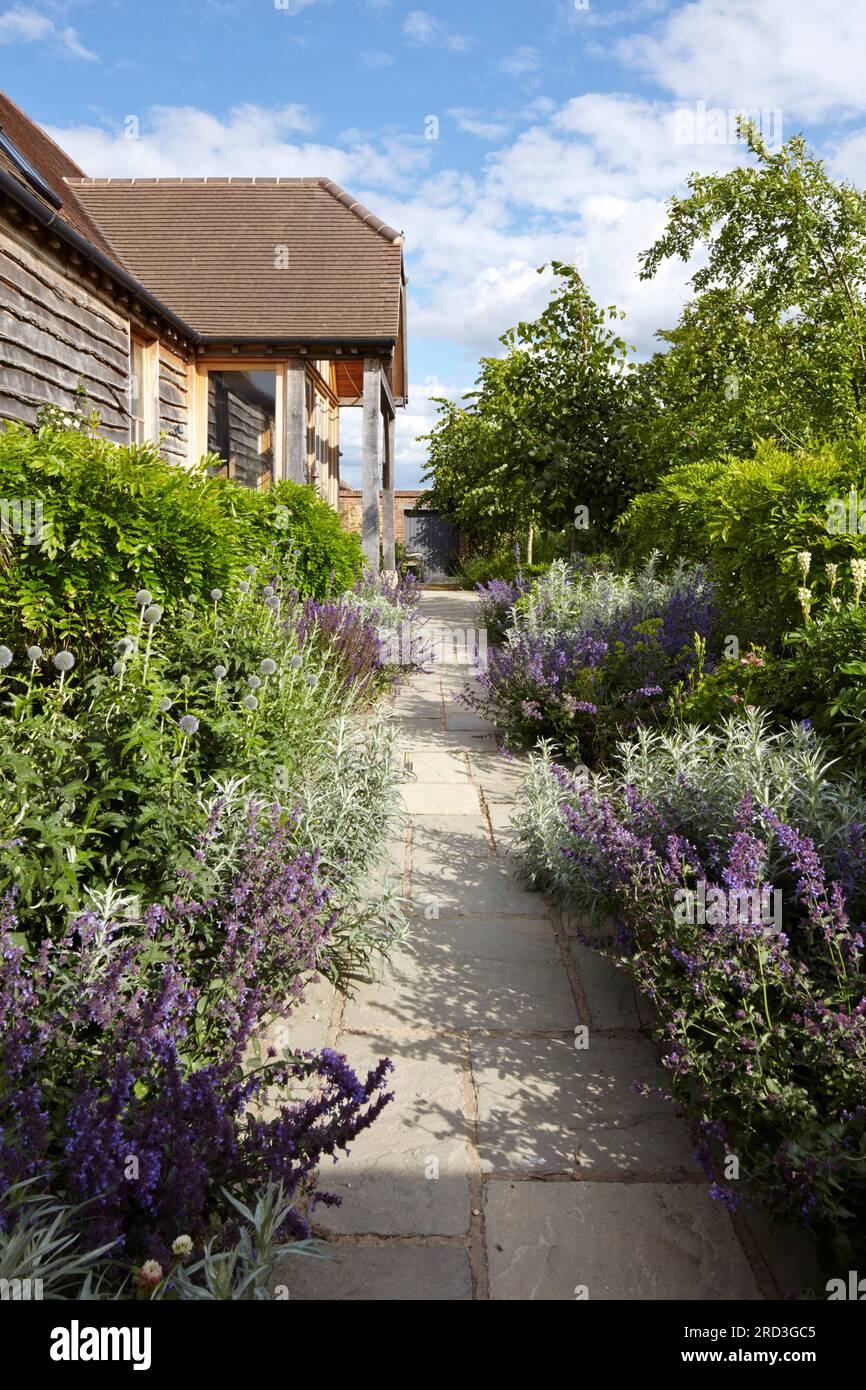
(54, 333)
(173, 406)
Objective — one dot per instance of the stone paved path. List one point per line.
(510, 1165)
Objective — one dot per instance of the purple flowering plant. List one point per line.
(761, 1024)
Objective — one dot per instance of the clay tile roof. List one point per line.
(247, 258)
(52, 164)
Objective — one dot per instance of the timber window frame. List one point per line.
(143, 390)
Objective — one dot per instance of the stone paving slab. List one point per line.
(380, 1274)
(438, 766)
(441, 798)
(639, 1241)
(608, 991)
(465, 973)
(468, 884)
(545, 1106)
(406, 1174)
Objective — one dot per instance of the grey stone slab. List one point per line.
(406, 1174)
(441, 798)
(412, 737)
(305, 1029)
(645, 1242)
(544, 1105)
(609, 990)
(437, 765)
(464, 721)
(464, 972)
(379, 1274)
(469, 883)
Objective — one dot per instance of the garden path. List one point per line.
(512, 1164)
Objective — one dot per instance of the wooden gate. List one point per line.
(436, 540)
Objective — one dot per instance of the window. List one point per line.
(241, 425)
(143, 388)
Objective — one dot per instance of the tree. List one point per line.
(773, 345)
(546, 430)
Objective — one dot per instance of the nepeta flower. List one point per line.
(268, 666)
(188, 724)
(64, 661)
(143, 598)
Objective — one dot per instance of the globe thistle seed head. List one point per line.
(143, 598)
(220, 672)
(268, 666)
(254, 682)
(5, 658)
(64, 661)
(188, 724)
(34, 653)
(251, 702)
(164, 704)
(152, 614)
(296, 663)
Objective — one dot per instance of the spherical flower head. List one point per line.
(804, 560)
(152, 614)
(126, 646)
(251, 570)
(216, 595)
(150, 1275)
(164, 704)
(273, 603)
(188, 725)
(220, 672)
(269, 591)
(244, 586)
(251, 702)
(5, 658)
(254, 682)
(312, 680)
(34, 653)
(117, 668)
(296, 663)
(64, 661)
(268, 666)
(182, 1245)
(143, 598)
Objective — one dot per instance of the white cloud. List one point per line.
(424, 30)
(417, 419)
(22, 24)
(521, 62)
(175, 142)
(473, 123)
(376, 58)
(799, 55)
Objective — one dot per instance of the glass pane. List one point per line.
(136, 392)
(242, 408)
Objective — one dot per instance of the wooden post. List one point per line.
(370, 457)
(389, 561)
(295, 448)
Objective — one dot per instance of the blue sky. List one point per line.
(498, 134)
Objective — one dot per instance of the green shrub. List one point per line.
(748, 519)
(116, 520)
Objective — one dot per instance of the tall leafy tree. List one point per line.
(773, 344)
(546, 430)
